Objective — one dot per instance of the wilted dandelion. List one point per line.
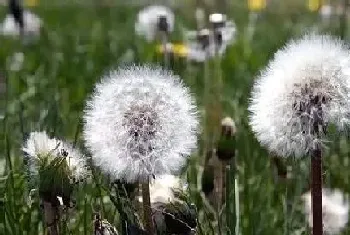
(304, 88)
(226, 146)
(335, 210)
(153, 19)
(57, 165)
(42, 149)
(141, 121)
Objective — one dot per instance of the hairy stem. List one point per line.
(316, 191)
(147, 210)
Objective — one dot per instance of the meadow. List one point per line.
(81, 43)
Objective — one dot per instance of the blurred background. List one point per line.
(47, 73)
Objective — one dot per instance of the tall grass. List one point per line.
(78, 45)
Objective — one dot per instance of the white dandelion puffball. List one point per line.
(147, 21)
(335, 206)
(39, 144)
(141, 121)
(164, 187)
(313, 69)
(32, 25)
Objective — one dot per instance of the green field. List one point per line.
(79, 44)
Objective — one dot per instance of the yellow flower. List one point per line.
(31, 3)
(256, 5)
(178, 49)
(314, 5)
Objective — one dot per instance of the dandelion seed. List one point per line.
(335, 210)
(140, 122)
(153, 19)
(307, 82)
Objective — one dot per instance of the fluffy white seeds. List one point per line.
(148, 18)
(140, 122)
(39, 145)
(195, 49)
(217, 18)
(32, 25)
(163, 188)
(335, 210)
(314, 66)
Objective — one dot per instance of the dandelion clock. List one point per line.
(32, 25)
(304, 88)
(141, 122)
(154, 19)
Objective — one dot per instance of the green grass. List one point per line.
(78, 45)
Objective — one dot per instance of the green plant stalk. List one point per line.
(217, 85)
(237, 221)
(230, 230)
(10, 193)
(344, 20)
(316, 191)
(286, 212)
(147, 209)
(51, 218)
(165, 50)
(216, 115)
(206, 98)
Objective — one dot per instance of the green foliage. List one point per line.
(78, 45)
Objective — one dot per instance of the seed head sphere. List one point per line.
(141, 121)
(310, 68)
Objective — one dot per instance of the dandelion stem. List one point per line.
(206, 133)
(316, 171)
(316, 166)
(237, 221)
(343, 20)
(147, 210)
(227, 197)
(51, 218)
(165, 49)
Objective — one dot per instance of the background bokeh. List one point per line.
(83, 39)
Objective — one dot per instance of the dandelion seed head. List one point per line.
(335, 208)
(32, 25)
(141, 121)
(39, 144)
(307, 76)
(147, 21)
